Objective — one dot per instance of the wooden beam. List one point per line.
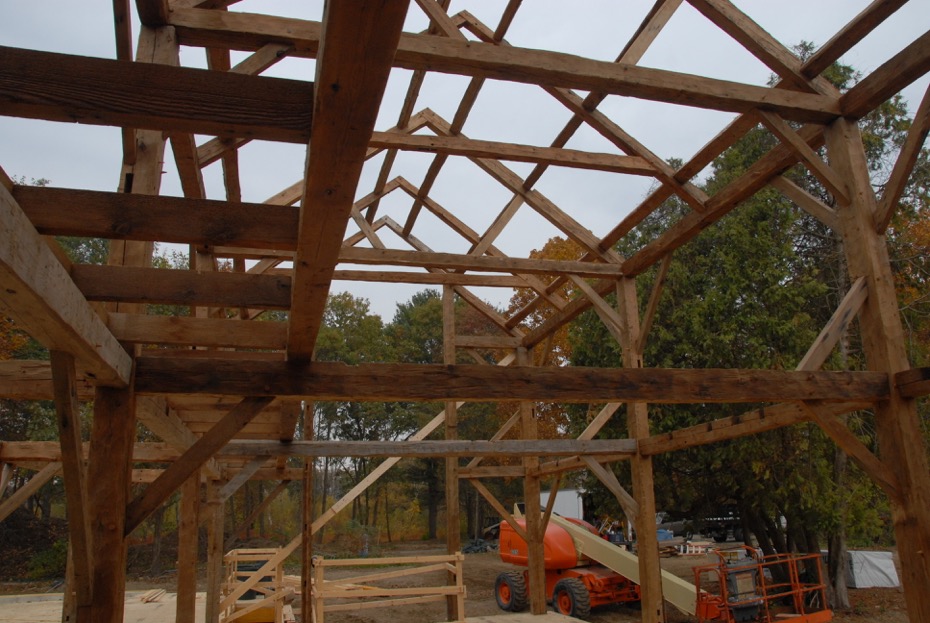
(39, 294)
(61, 87)
(358, 43)
(156, 414)
(807, 202)
(68, 412)
(899, 71)
(761, 44)
(898, 427)
(242, 476)
(835, 328)
(815, 164)
(430, 448)
(471, 148)
(19, 497)
(152, 13)
(187, 331)
(110, 470)
(375, 474)
(497, 506)
(24, 379)
(336, 381)
(487, 341)
(193, 459)
(850, 444)
(913, 383)
(723, 429)
(436, 279)
(125, 216)
(903, 166)
(451, 261)
(258, 510)
(870, 18)
(487, 60)
(609, 480)
(181, 287)
(774, 163)
(188, 543)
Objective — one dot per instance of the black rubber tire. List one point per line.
(510, 591)
(570, 597)
(721, 538)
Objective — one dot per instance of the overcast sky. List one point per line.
(81, 156)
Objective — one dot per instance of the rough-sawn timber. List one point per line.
(389, 382)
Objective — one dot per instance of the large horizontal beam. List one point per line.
(452, 261)
(551, 69)
(27, 379)
(123, 216)
(62, 87)
(40, 295)
(127, 216)
(401, 382)
(182, 287)
(187, 331)
(471, 148)
(456, 448)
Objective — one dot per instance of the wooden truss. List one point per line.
(224, 392)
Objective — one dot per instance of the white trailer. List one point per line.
(567, 503)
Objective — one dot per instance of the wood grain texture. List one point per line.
(61, 87)
(39, 294)
(486, 60)
(336, 381)
(359, 42)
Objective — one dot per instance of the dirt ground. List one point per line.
(868, 605)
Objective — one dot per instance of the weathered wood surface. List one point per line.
(554, 69)
(336, 381)
(358, 43)
(913, 383)
(62, 87)
(40, 296)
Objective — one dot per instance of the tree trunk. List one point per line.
(433, 497)
(158, 521)
(324, 488)
(387, 515)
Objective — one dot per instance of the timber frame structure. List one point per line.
(224, 392)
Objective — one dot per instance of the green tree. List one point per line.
(752, 291)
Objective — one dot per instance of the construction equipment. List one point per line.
(763, 589)
(574, 582)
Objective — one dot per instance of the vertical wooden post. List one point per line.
(454, 610)
(897, 423)
(215, 508)
(68, 600)
(531, 490)
(319, 604)
(650, 571)
(110, 469)
(67, 409)
(306, 560)
(187, 550)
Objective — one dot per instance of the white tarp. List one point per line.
(871, 570)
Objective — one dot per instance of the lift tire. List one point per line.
(510, 591)
(571, 598)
